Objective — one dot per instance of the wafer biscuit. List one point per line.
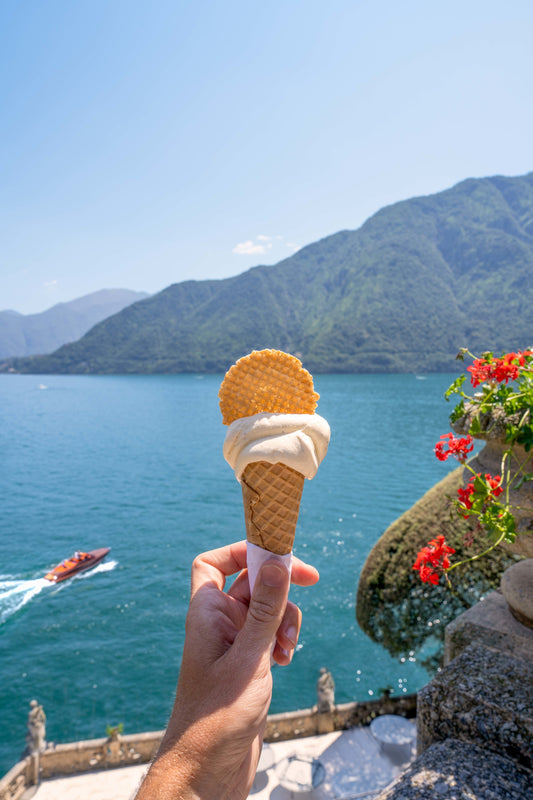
(266, 380)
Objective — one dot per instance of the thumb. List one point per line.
(267, 606)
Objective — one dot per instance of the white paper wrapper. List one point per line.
(256, 557)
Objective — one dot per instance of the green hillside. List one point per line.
(417, 281)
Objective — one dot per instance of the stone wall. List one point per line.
(19, 778)
(77, 757)
(298, 724)
(97, 754)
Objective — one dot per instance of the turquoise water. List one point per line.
(135, 463)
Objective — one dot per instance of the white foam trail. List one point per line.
(104, 566)
(15, 594)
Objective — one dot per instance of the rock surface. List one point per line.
(483, 696)
(491, 623)
(455, 770)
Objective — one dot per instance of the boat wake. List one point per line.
(15, 594)
(105, 566)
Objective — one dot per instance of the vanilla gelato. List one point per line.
(299, 441)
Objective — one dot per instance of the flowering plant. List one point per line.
(503, 403)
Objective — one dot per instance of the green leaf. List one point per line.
(508, 523)
(475, 427)
(511, 432)
(458, 412)
(455, 387)
(525, 437)
(523, 479)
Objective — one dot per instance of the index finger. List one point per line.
(215, 566)
(303, 574)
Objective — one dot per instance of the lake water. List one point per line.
(135, 463)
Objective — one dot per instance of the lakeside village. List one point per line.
(469, 732)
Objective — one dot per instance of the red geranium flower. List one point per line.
(433, 559)
(480, 371)
(458, 448)
(506, 368)
(494, 484)
(466, 494)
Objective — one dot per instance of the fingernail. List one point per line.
(273, 575)
(292, 635)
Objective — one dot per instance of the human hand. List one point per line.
(213, 741)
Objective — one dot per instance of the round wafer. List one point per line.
(266, 381)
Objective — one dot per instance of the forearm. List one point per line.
(199, 763)
(177, 773)
(168, 780)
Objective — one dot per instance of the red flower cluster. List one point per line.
(466, 494)
(501, 369)
(458, 448)
(433, 560)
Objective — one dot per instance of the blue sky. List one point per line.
(143, 144)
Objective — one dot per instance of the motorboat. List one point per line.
(79, 562)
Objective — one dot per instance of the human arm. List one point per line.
(214, 737)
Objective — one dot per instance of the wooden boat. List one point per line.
(79, 562)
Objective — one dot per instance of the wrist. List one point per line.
(183, 766)
(206, 765)
(174, 776)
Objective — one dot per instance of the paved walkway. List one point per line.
(112, 784)
(352, 766)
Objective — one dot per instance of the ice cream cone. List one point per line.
(271, 495)
(269, 382)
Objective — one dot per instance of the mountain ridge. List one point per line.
(44, 332)
(417, 281)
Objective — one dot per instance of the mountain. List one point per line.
(403, 293)
(27, 334)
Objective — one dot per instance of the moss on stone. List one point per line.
(393, 606)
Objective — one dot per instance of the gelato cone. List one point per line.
(271, 495)
(274, 441)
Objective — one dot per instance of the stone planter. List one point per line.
(517, 588)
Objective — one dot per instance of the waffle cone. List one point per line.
(271, 496)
